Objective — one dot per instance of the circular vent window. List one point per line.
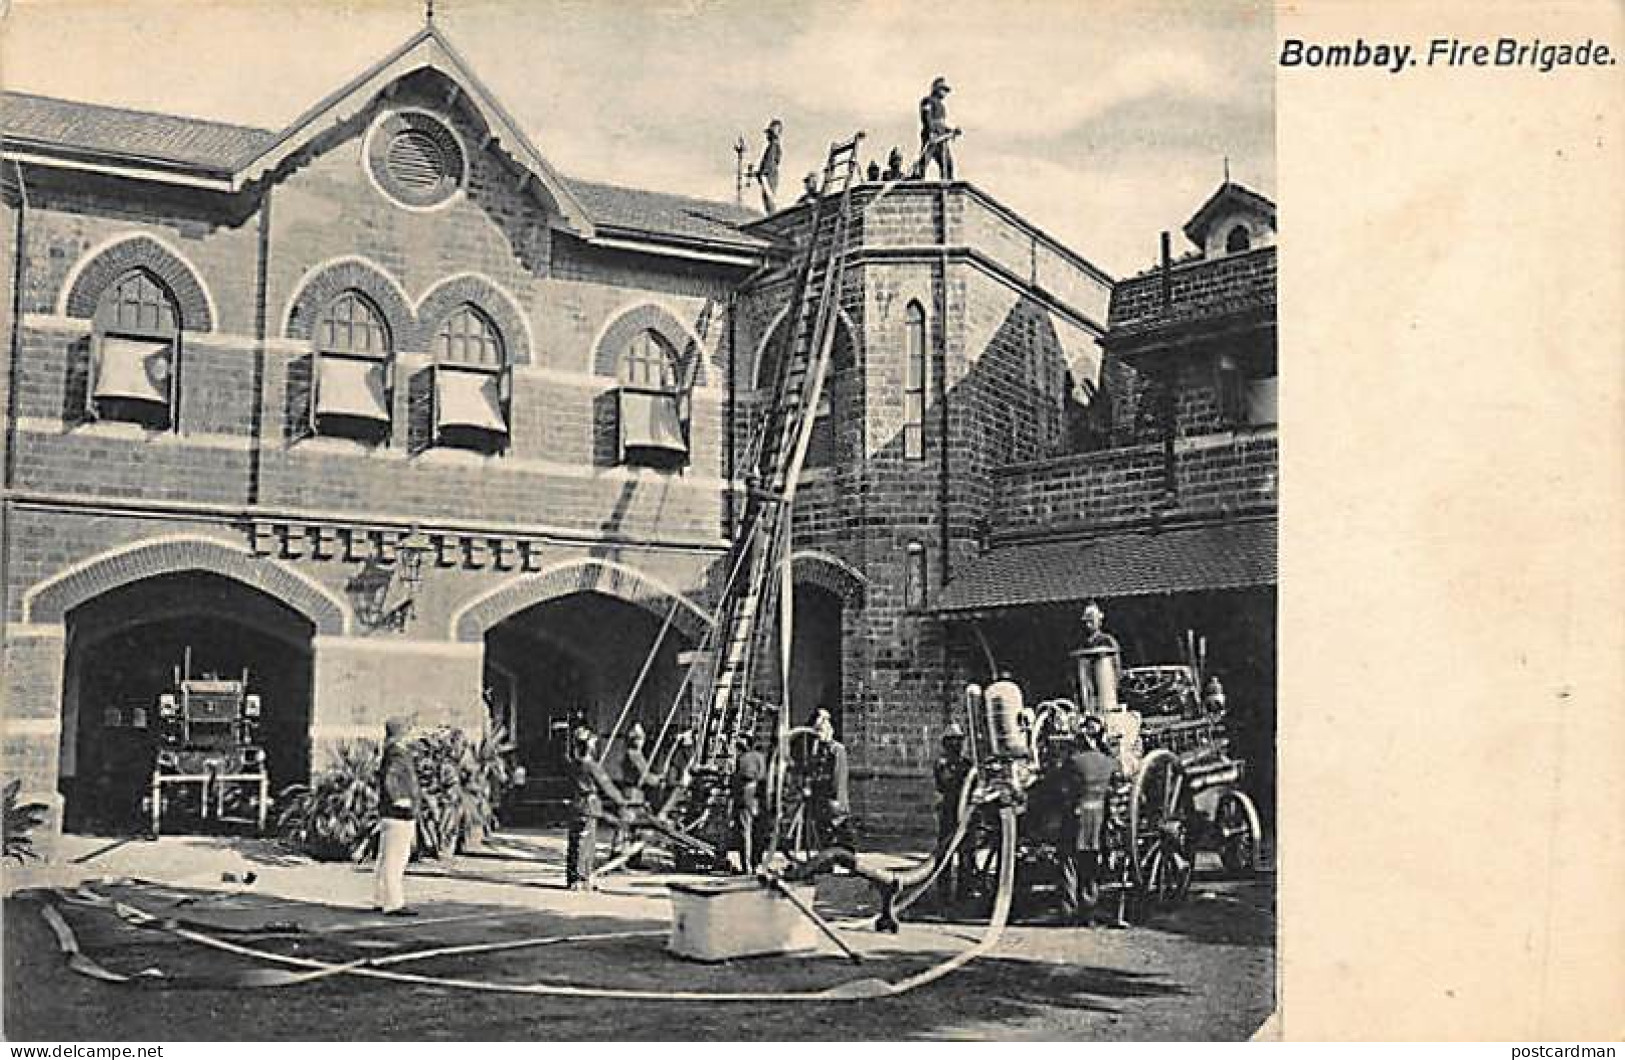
(415, 158)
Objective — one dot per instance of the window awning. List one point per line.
(650, 420)
(1235, 555)
(469, 399)
(353, 386)
(133, 369)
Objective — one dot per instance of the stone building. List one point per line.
(385, 409)
(1169, 517)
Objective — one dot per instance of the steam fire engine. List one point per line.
(207, 765)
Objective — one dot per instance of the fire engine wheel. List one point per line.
(1240, 833)
(983, 862)
(1161, 856)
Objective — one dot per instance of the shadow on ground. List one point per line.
(201, 999)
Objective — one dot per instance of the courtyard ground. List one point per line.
(1203, 971)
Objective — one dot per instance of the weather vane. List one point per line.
(428, 10)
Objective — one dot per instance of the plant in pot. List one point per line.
(335, 817)
(461, 781)
(20, 821)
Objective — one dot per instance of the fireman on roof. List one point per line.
(767, 170)
(935, 132)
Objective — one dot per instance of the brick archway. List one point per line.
(471, 623)
(842, 356)
(51, 600)
(647, 316)
(327, 282)
(435, 304)
(102, 266)
(830, 573)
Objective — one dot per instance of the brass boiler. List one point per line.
(1097, 680)
(1008, 721)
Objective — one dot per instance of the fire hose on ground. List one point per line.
(311, 969)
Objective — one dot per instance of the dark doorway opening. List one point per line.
(815, 656)
(124, 649)
(575, 660)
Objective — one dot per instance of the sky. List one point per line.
(1102, 122)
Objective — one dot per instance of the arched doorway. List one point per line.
(123, 650)
(575, 659)
(815, 655)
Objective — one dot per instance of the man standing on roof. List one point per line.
(935, 132)
(809, 188)
(767, 170)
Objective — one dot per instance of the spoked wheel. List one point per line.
(1161, 857)
(798, 838)
(1240, 834)
(982, 864)
(799, 835)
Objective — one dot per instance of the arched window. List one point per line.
(469, 338)
(136, 352)
(1238, 240)
(649, 362)
(914, 578)
(353, 377)
(653, 409)
(473, 382)
(352, 324)
(916, 371)
(138, 303)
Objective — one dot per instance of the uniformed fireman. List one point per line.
(1097, 643)
(1085, 779)
(894, 166)
(829, 806)
(638, 780)
(809, 188)
(935, 132)
(767, 170)
(749, 775)
(398, 800)
(950, 771)
(589, 785)
(1094, 628)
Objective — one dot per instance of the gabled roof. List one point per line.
(637, 212)
(425, 48)
(226, 157)
(40, 121)
(1230, 197)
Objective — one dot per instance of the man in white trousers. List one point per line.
(397, 825)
